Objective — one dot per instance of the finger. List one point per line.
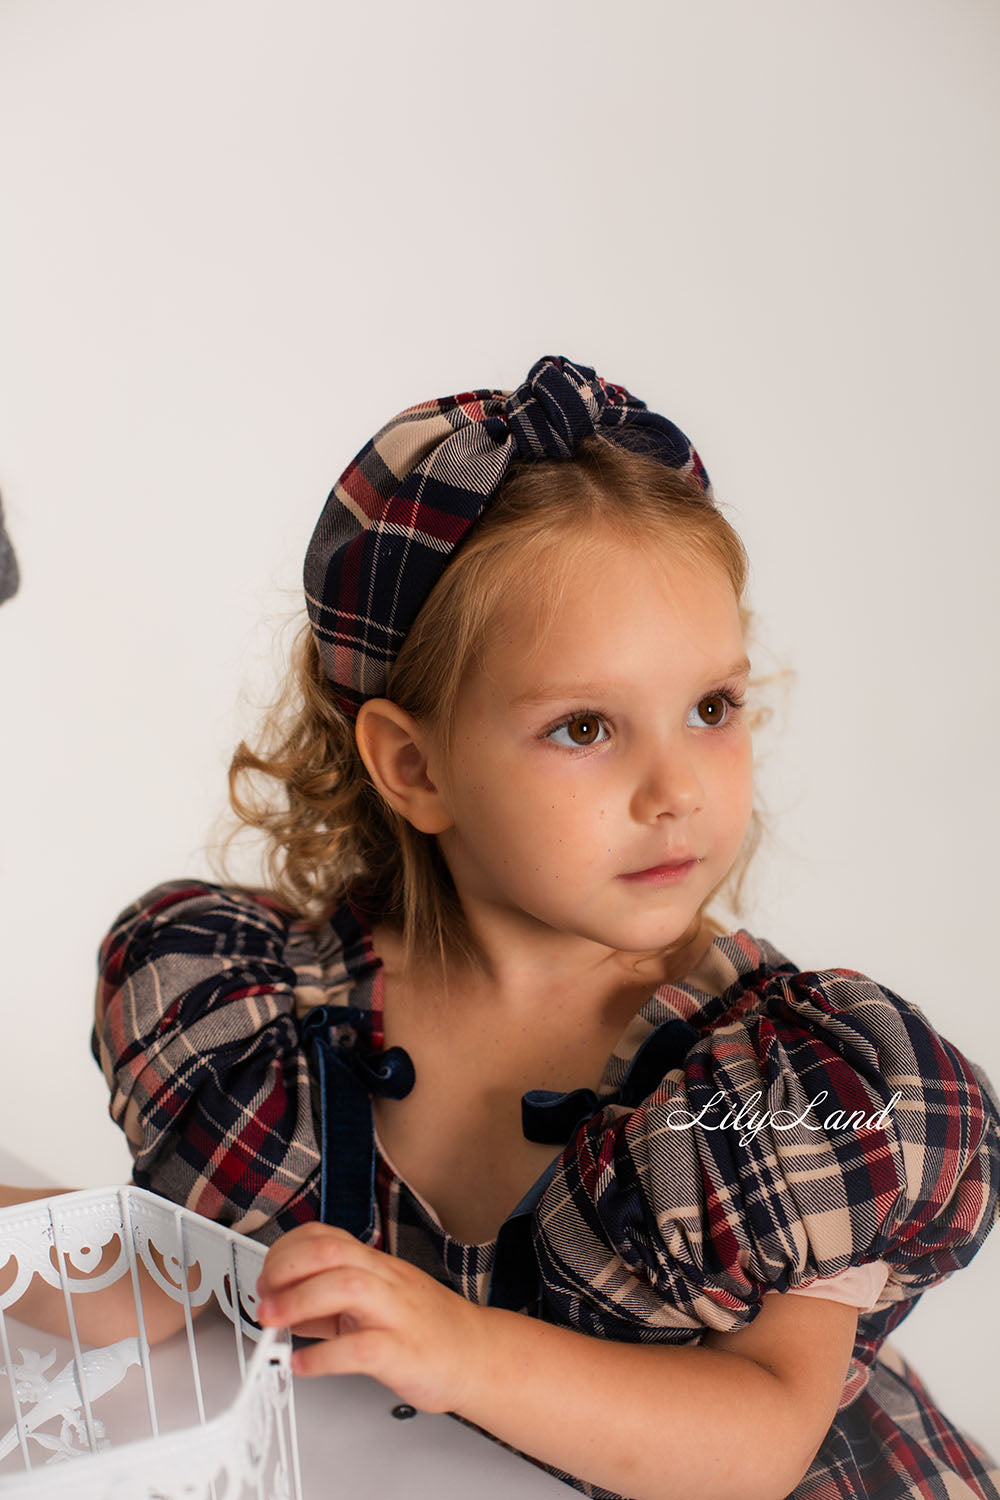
(316, 1229)
(362, 1353)
(298, 1254)
(304, 1240)
(321, 1328)
(343, 1289)
(326, 1328)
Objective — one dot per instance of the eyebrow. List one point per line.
(602, 689)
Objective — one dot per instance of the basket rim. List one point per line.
(137, 1207)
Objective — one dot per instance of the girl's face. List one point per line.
(615, 744)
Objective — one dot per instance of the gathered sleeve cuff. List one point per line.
(821, 1124)
(195, 1033)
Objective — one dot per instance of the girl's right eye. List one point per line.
(585, 724)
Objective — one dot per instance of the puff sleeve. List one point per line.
(196, 1036)
(820, 1123)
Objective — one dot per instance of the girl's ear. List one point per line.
(394, 750)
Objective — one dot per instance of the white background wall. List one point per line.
(238, 236)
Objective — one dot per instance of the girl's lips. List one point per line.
(663, 874)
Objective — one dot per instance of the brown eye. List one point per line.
(713, 709)
(587, 728)
(583, 730)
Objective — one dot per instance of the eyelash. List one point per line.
(732, 701)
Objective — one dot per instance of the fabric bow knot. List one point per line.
(407, 500)
(555, 409)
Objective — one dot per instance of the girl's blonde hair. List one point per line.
(330, 831)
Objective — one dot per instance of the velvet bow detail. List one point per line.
(347, 1073)
(550, 1118)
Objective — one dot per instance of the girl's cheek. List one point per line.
(733, 760)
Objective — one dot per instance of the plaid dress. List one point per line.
(756, 1127)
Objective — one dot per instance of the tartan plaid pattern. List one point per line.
(408, 499)
(639, 1230)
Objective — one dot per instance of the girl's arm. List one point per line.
(738, 1417)
(101, 1317)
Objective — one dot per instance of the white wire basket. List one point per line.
(206, 1412)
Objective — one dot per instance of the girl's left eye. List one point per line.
(718, 708)
(586, 724)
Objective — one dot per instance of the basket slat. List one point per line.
(99, 1423)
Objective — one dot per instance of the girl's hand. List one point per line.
(376, 1315)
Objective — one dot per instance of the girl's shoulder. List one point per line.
(750, 1010)
(186, 916)
(162, 900)
(746, 977)
(179, 921)
(741, 976)
(172, 900)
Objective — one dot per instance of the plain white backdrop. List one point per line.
(238, 236)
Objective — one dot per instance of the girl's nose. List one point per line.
(670, 787)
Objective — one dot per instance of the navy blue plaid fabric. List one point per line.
(637, 1230)
(407, 501)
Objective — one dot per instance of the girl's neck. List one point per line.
(617, 991)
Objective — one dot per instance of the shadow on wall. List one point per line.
(9, 576)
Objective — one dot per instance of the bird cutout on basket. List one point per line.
(237, 1435)
(103, 1369)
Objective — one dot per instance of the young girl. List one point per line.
(533, 1140)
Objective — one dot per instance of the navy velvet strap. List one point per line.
(666, 1047)
(347, 1075)
(550, 1118)
(515, 1280)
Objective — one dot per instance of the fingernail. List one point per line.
(265, 1309)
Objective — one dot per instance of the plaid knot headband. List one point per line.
(404, 505)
